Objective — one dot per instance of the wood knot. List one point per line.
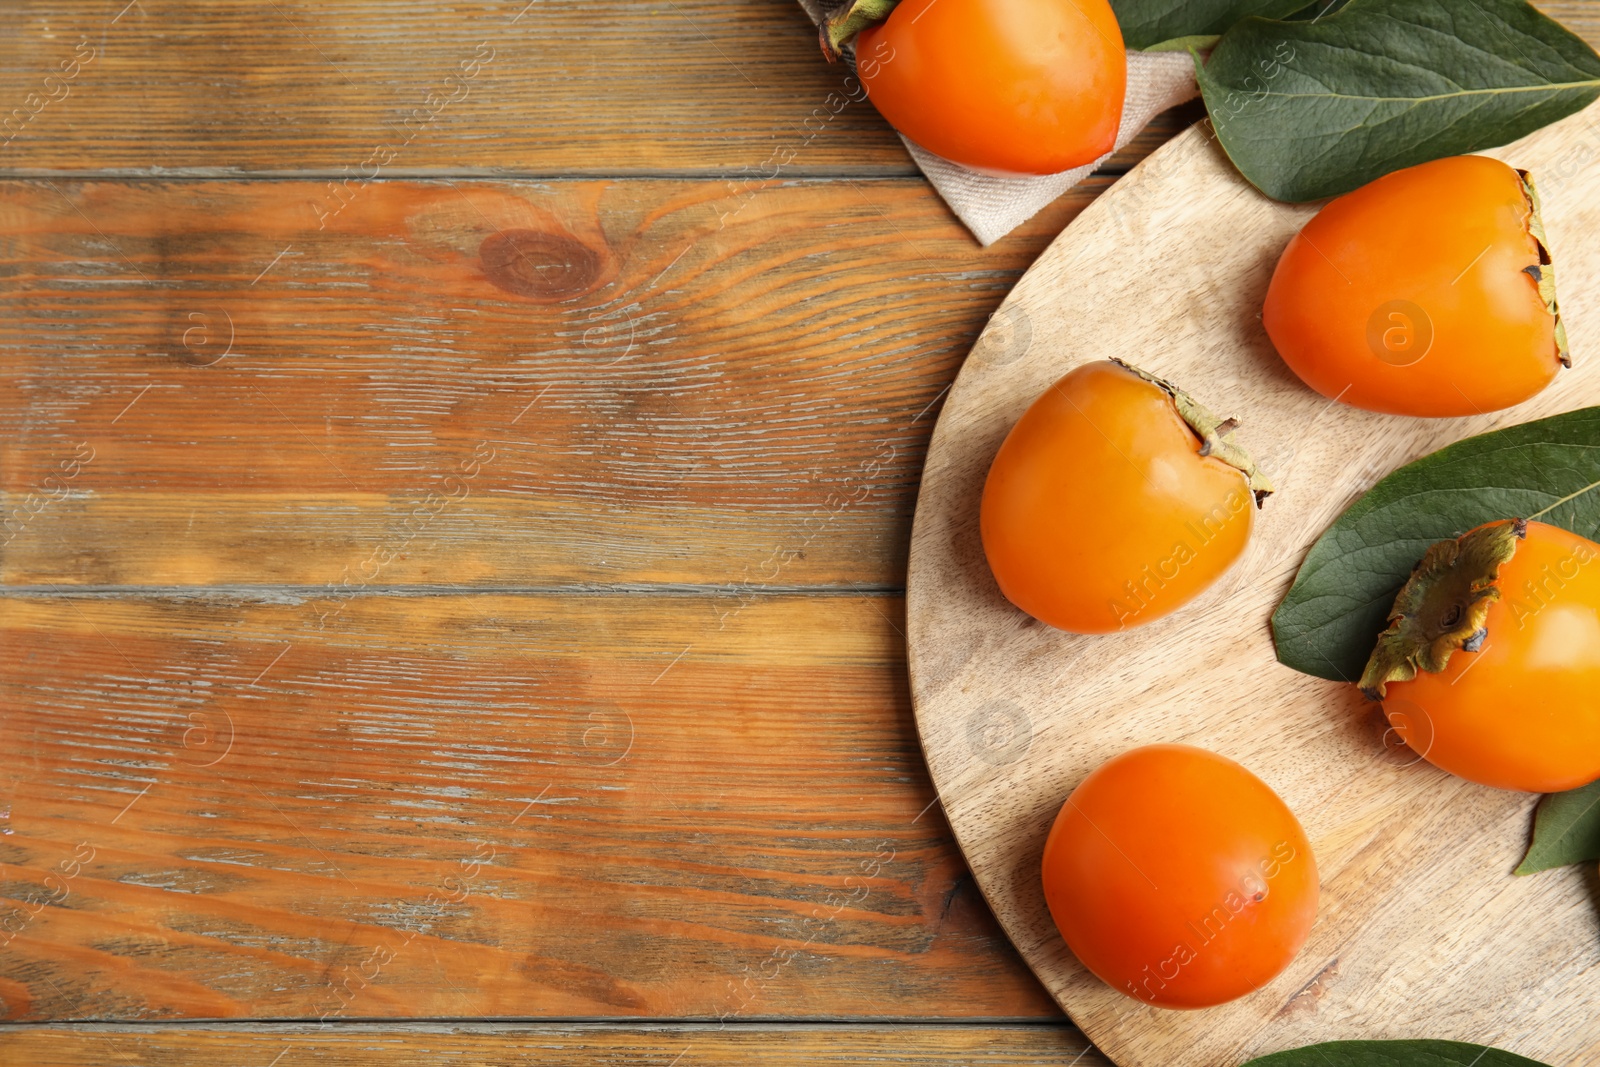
(535, 263)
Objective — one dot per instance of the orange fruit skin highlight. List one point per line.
(1180, 878)
(1523, 712)
(1099, 513)
(1005, 86)
(1409, 296)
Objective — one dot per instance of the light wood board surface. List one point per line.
(1422, 932)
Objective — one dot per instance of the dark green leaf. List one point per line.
(1150, 22)
(1547, 470)
(1320, 9)
(1394, 1054)
(1309, 109)
(1566, 830)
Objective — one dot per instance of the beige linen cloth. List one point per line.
(993, 207)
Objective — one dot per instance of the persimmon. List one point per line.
(1490, 667)
(1429, 291)
(1004, 86)
(1115, 500)
(1180, 878)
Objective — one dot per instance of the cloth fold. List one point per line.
(992, 207)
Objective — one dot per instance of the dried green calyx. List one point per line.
(849, 19)
(1216, 435)
(1544, 272)
(1443, 607)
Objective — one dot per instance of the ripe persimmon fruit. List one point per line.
(1115, 500)
(1003, 86)
(1490, 667)
(1180, 878)
(1429, 291)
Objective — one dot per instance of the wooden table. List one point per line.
(458, 462)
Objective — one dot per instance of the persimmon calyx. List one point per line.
(1443, 606)
(849, 19)
(1544, 272)
(1216, 435)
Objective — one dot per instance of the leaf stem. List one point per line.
(1542, 512)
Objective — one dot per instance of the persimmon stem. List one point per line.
(1216, 435)
(1444, 607)
(849, 19)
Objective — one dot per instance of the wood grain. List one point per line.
(231, 87)
(554, 1045)
(676, 379)
(445, 806)
(1423, 931)
(228, 87)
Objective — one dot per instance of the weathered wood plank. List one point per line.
(225, 88)
(230, 87)
(686, 806)
(553, 1045)
(599, 381)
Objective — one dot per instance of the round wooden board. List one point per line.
(1423, 931)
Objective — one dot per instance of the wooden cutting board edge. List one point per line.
(1571, 147)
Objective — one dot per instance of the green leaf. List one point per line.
(1565, 831)
(1320, 9)
(1310, 109)
(1548, 470)
(1147, 23)
(1394, 1054)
